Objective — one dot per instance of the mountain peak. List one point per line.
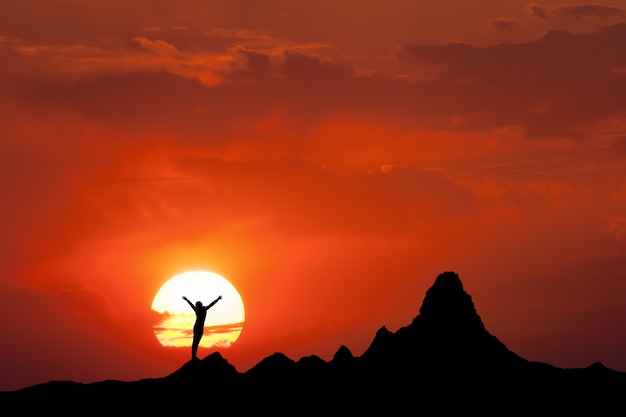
(446, 303)
(447, 332)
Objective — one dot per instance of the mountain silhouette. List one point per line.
(445, 361)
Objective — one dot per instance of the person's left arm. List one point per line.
(213, 302)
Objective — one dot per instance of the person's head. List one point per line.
(198, 303)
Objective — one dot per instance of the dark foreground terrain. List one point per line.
(444, 362)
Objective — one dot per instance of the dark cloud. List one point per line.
(547, 86)
(504, 23)
(257, 62)
(575, 11)
(618, 144)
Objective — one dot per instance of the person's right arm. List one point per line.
(189, 302)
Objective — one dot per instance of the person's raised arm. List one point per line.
(189, 302)
(213, 302)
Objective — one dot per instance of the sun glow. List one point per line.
(224, 321)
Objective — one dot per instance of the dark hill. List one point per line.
(443, 362)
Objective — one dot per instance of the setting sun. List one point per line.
(224, 321)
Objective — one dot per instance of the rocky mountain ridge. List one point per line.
(443, 361)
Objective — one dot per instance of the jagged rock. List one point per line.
(446, 335)
(446, 304)
(343, 354)
(197, 370)
(310, 360)
(277, 364)
(383, 340)
(311, 367)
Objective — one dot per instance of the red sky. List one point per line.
(329, 159)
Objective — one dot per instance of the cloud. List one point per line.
(548, 86)
(615, 227)
(272, 107)
(158, 46)
(504, 23)
(238, 34)
(575, 11)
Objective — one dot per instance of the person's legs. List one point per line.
(197, 335)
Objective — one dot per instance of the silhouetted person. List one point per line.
(198, 327)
